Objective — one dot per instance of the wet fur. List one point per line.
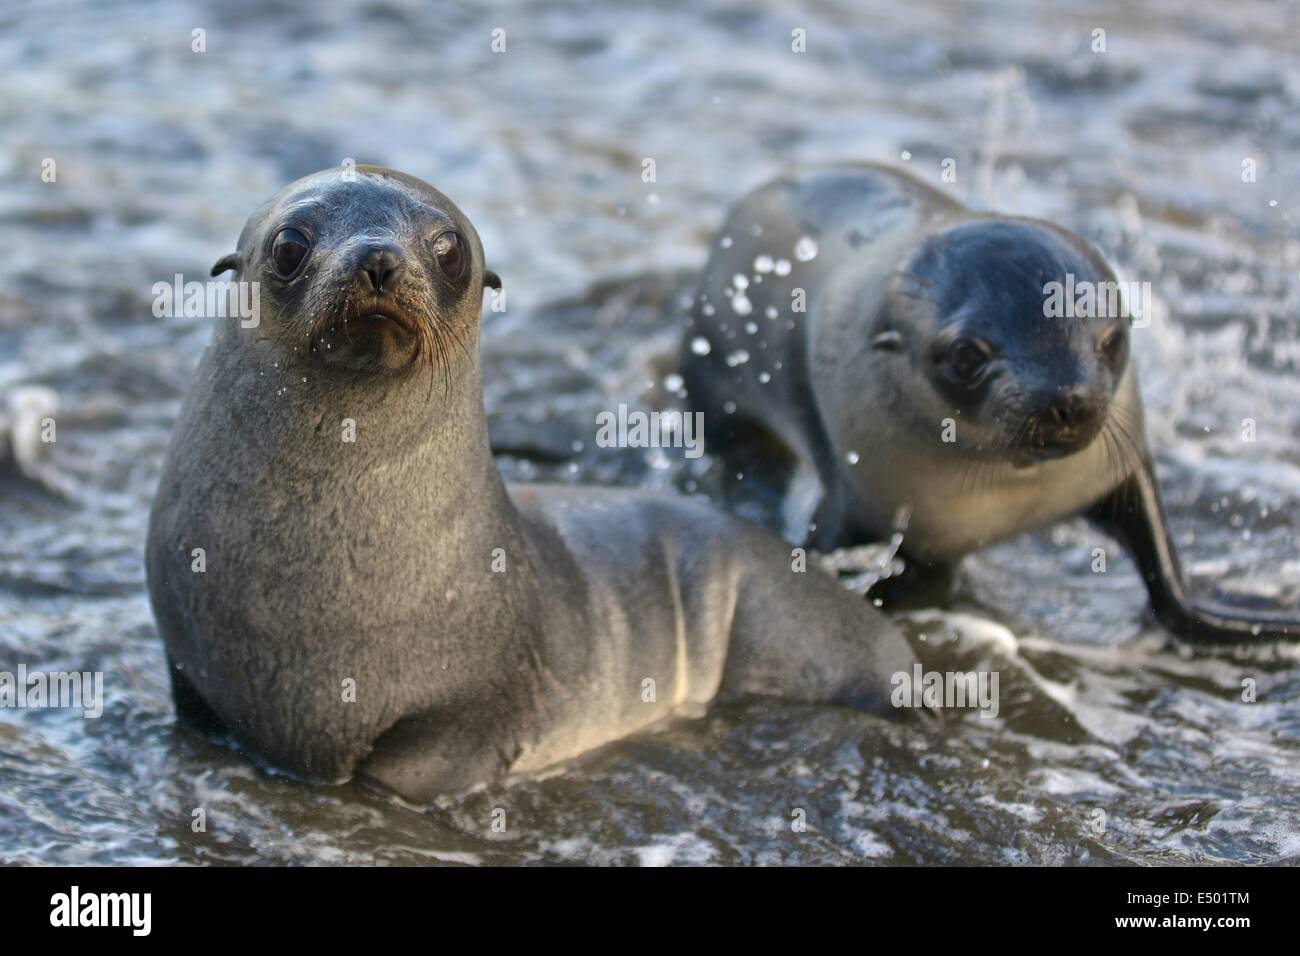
(900, 266)
(373, 561)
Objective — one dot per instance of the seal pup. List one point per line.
(344, 583)
(866, 345)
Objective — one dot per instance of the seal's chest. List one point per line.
(953, 511)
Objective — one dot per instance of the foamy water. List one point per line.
(1111, 744)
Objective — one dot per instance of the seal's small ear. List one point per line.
(491, 280)
(226, 263)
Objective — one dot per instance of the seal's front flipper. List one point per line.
(192, 709)
(920, 585)
(1134, 514)
(432, 753)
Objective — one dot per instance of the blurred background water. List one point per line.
(1112, 745)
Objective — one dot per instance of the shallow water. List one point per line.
(1111, 744)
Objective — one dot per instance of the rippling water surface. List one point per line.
(1112, 745)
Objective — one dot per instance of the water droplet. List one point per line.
(738, 357)
(805, 250)
(852, 458)
(763, 264)
(782, 267)
(673, 382)
(700, 345)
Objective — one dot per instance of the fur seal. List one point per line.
(384, 606)
(861, 334)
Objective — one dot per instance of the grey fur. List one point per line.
(373, 560)
(839, 395)
(839, 410)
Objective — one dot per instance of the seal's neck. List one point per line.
(366, 444)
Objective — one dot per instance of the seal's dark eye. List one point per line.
(288, 251)
(450, 253)
(1113, 346)
(967, 361)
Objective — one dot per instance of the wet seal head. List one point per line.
(365, 270)
(972, 314)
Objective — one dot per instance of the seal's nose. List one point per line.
(382, 264)
(1069, 409)
(1069, 416)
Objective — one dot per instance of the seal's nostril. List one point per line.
(1069, 409)
(382, 265)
